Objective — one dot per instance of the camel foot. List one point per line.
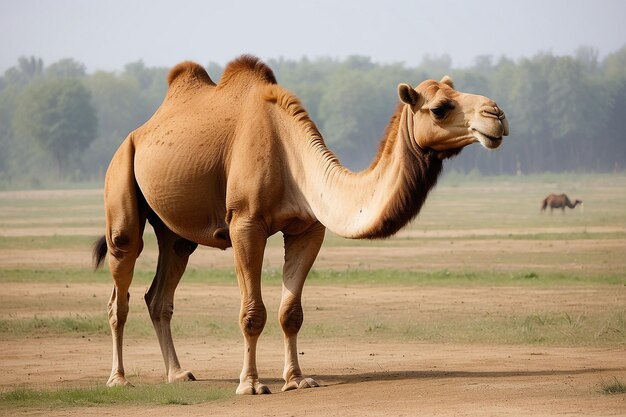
(118, 380)
(300, 383)
(252, 387)
(181, 376)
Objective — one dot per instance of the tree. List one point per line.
(66, 68)
(58, 116)
(151, 82)
(26, 70)
(355, 109)
(120, 108)
(436, 66)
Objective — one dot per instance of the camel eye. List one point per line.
(441, 110)
(438, 112)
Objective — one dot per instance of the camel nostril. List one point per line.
(490, 110)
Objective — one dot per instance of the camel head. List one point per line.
(447, 120)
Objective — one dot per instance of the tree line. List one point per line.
(60, 122)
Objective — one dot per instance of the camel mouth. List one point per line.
(489, 142)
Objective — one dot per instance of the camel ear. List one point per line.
(407, 94)
(448, 81)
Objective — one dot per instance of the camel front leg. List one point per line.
(300, 253)
(249, 239)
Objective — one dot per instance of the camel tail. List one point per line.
(99, 252)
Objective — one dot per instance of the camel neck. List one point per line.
(378, 201)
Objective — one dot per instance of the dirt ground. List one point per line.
(357, 377)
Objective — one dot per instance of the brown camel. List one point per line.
(555, 201)
(228, 165)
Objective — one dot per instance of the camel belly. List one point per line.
(185, 192)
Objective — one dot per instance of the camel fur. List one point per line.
(231, 164)
(558, 201)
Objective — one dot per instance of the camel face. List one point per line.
(447, 120)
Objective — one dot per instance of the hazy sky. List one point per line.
(106, 34)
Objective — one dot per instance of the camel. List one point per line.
(230, 164)
(561, 201)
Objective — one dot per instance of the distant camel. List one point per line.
(561, 201)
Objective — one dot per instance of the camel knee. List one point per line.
(122, 242)
(291, 318)
(253, 319)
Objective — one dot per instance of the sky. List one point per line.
(107, 34)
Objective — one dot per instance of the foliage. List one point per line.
(58, 116)
(565, 112)
(614, 386)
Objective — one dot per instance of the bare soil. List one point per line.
(365, 376)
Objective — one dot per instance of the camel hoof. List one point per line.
(308, 383)
(300, 384)
(118, 381)
(252, 388)
(182, 376)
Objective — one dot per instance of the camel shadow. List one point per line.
(326, 380)
(382, 376)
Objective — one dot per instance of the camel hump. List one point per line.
(248, 65)
(189, 71)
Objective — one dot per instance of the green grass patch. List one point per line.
(612, 386)
(564, 328)
(209, 276)
(547, 236)
(273, 276)
(335, 241)
(166, 394)
(449, 278)
(547, 329)
(138, 325)
(46, 242)
(86, 242)
(83, 325)
(54, 325)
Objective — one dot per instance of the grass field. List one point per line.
(481, 266)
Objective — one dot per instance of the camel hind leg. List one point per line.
(174, 253)
(125, 221)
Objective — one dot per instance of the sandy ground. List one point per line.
(372, 379)
(358, 377)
